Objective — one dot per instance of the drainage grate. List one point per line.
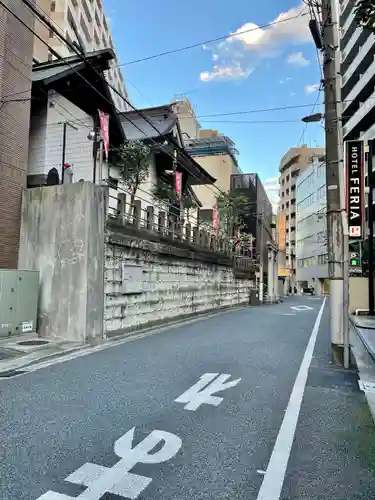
(11, 373)
(33, 342)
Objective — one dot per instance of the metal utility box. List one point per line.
(18, 301)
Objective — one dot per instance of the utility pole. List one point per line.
(370, 175)
(337, 225)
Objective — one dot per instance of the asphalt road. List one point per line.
(64, 420)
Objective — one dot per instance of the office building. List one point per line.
(358, 75)
(291, 164)
(258, 222)
(15, 89)
(84, 24)
(311, 228)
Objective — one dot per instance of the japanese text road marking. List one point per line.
(302, 308)
(117, 479)
(197, 395)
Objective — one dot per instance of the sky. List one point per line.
(250, 68)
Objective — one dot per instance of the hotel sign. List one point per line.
(355, 161)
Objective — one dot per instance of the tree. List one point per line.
(133, 159)
(233, 208)
(165, 195)
(365, 14)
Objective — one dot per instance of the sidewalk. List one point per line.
(333, 454)
(21, 351)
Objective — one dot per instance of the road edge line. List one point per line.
(273, 480)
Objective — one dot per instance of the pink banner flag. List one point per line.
(178, 184)
(215, 218)
(104, 128)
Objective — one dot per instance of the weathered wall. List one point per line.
(358, 293)
(62, 236)
(151, 282)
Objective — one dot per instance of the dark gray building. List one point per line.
(258, 220)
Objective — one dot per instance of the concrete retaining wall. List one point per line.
(62, 236)
(148, 283)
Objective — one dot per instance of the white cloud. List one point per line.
(231, 72)
(282, 31)
(310, 89)
(285, 80)
(249, 42)
(297, 59)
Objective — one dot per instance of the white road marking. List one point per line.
(302, 308)
(261, 472)
(196, 395)
(273, 480)
(289, 314)
(117, 479)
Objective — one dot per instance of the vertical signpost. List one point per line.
(355, 188)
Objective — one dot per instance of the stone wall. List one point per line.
(150, 280)
(62, 236)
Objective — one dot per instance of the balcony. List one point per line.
(363, 51)
(369, 134)
(360, 85)
(365, 108)
(347, 23)
(351, 43)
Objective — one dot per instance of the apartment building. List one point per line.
(15, 89)
(217, 154)
(311, 228)
(358, 75)
(82, 22)
(291, 164)
(188, 121)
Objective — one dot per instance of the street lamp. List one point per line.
(317, 117)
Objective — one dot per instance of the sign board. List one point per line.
(355, 161)
(132, 278)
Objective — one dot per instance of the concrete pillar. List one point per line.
(276, 276)
(270, 276)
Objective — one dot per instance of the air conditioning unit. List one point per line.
(19, 292)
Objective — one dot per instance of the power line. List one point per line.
(212, 40)
(100, 75)
(170, 140)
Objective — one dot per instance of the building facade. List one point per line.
(291, 164)
(311, 228)
(358, 75)
(218, 156)
(15, 89)
(258, 222)
(83, 23)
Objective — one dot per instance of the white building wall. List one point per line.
(46, 139)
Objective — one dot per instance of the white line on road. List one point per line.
(274, 478)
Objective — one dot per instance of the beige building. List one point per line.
(295, 160)
(217, 155)
(215, 152)
(82, 22)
